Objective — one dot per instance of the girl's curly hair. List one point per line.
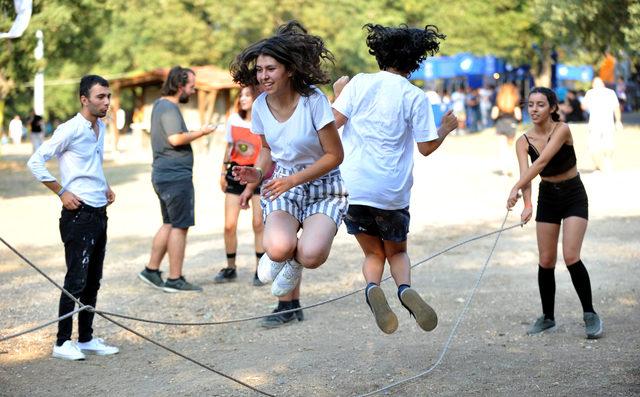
(299, 52)
(402, 48)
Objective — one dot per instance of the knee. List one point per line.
(548, 261)
(280, 251)
(258, 226)
(570, 259)
(311, 260)
(230, 228)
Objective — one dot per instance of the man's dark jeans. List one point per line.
(84, 234)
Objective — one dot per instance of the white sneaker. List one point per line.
(268, 269)
(97, 346)
(68, 351)
(287, 279)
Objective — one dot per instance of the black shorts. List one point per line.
(176, 202)
(391, 225)
(560, 200)
(235, 187)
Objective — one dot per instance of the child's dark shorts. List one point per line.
(390, 225)
(235, 187)
(557, 201)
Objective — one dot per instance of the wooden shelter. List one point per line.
(213, 97)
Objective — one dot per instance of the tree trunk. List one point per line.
(543, 76)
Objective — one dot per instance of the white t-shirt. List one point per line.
(601, 104)
(295, 142)
(235, 120)
(386, 114)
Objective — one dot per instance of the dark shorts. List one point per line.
(391, 225)
(176, 202)
(557, 201)
(235, 187)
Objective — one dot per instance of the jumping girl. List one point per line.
(296, 124)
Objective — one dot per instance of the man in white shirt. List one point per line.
(604, 118)
(78, 145)
(16, 129)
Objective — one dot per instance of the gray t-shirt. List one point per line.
(170, 163)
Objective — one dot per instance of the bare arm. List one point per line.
(521, 151)
(448, 123)
(184, 138)
(341, 119)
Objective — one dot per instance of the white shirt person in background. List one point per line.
(78, 145)
(604, 118)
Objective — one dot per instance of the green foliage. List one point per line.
(123, 36)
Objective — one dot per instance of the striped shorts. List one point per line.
(325, 195)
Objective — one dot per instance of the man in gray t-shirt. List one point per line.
(170, 163)
(172, 180)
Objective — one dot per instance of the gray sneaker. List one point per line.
(424, 314)
(154, 279)
(541, 324)
(385, 318)
(180, 285)
(592, 325)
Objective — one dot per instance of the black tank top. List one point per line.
(562, 161)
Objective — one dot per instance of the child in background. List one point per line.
(242, 148)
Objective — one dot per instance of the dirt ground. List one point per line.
(337, 350)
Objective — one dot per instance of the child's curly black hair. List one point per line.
(300, 53)
(402, 48)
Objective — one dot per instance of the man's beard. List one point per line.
(183, 98)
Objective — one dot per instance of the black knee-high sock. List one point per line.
(547, 285)
(580, 279)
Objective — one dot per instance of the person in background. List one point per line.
(16, 129)
(242, 148)
(604, 119)
(507, 115)
(36, 126)
(171, 176)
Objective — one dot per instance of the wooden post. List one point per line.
(115, 106)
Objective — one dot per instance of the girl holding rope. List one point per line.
(383, 114)
(562, 200)
(298, 132)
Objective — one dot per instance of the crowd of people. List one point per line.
(286, 160)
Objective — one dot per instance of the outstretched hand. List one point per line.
(244, 174)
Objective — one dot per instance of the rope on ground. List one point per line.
(89, 308)
(257, 317)
(455, 326)
(4, 338)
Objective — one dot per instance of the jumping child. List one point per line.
(383, 114)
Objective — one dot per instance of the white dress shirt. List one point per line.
(80, 155)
